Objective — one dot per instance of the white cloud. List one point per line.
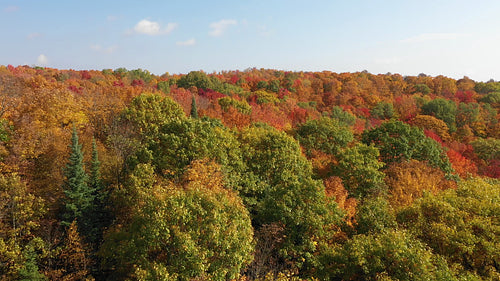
(433, 37)
(106, 50)
(11, 9)
(42, 60)
(388, 61)
(153, 28)
(189, 42)
(34, 35)
(218, 28)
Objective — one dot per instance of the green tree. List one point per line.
(359, 169)
(345, 118)
(461, 225)
(401, 142)
(79, 197)
(374, 215)
(99, 215)
(284, 193)
(149, 112)
(389, 255)
(443, 109)
(185, 231)
(194, 109)
(324, 134)
(382, 110)
(21, 212)
(195, 78)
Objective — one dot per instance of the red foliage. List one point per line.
(282, 93)
(118, 83)
(75, 89)
(465, 96)
(137, 82)
(85, 75)
(234, 79)
(433, 136)
(210, 94)
(365, 112)
(298, 115)
(460, 164)
(493, 169)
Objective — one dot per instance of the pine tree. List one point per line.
(79, 196)
(194, 110)
(98, 214)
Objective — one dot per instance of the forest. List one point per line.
(257, 174)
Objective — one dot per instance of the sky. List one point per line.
(438, 37)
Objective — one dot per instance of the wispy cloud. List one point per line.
(34, 35)
(218, 28)
(42, 60)
(388, 61)
(11, 9)
(100, 49)
(111, 18)
(433, 37)
(189, 42)
(153, 28)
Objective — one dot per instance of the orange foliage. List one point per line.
(408, 180)
(335, 189)
(463, 166)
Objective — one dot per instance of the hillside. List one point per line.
(257, 174)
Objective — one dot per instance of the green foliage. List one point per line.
(462, 225)
(401, 142)
(488, 87)
(30, 270)
(467, 114)
(4, 131)
(382, 110)
(324, 134)
(181, 141)
(345, 118)
(184, 232)
(421, 88)
(140, 74)
(359, 169)
(491, 98)
(487, 149)
(20, 212)
(374, 215)
(194, 109)
(442, 109)
(149, 112)
(264, 97)
(197, 79)
(286, 193)
(78, 196)
(389, 255)
(241, 105)
(98, 214)
(164, 86)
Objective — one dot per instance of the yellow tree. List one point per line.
(408, 180)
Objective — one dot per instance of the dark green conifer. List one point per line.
(98, 212)
(194, 110)
(78, 194)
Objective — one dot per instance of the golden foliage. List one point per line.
(408, 180)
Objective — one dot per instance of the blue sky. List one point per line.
(451, 38)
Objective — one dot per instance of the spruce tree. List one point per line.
(78, 194)
(194, 110)
(98, 213)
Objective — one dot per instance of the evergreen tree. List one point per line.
(194, 110)
(79, 196)
(98, 214)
